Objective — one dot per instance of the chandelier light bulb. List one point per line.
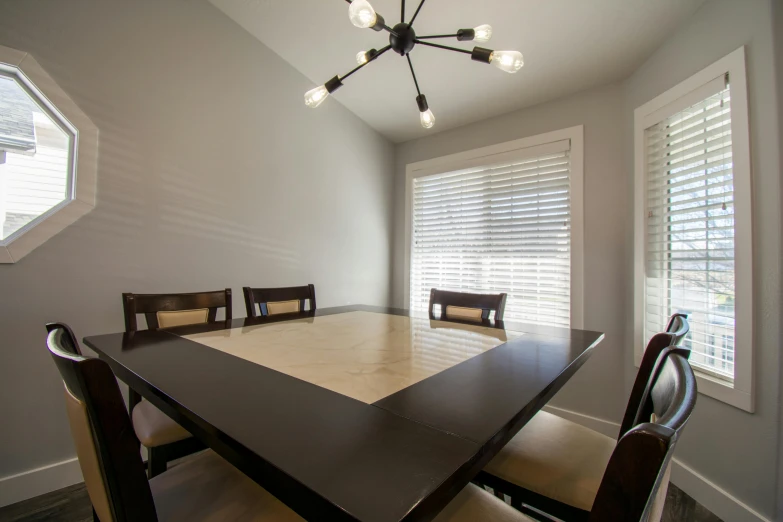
(315, 97)
(427, 119)
(361, 58)
(509, 61)
(362, 14)
(482, 33)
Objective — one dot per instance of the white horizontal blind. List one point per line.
(500, 228)
(690, 229)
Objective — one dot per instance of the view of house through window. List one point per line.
(34, 159)
(690, 229)
(497, 228)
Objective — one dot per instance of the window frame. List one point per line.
(740, 392)
(473, 158)
(83, 155)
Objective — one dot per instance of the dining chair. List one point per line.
(202, 488)
(273, 301)
(164, 439)
(560, 467)
(465, 306)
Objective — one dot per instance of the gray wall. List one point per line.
(212, 174)
(777, 36)
(606, 183)
(734, 449)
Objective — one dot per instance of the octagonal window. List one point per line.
(48, 157)
(36, 157)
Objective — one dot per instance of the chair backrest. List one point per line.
(273, 301)
(68, 339)
(635, 481)
(106, 445)
(465, 306)
(676, 330)
(170, 310)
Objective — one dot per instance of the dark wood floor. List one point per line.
(680, 507)
(69, 504)
(73, 505)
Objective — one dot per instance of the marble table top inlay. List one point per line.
(364, 355)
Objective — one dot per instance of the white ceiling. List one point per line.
(569, 45)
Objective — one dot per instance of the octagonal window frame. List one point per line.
(82, 163)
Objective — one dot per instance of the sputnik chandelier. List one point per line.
(402, 40)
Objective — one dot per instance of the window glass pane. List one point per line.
(690, 230)
(505, 228)
(34, 159)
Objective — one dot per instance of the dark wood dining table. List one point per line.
(352, 413)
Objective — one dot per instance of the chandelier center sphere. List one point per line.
(402, 40)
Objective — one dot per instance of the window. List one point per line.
(41, 152)
(501, 219)
(35, 154)
(693, 216)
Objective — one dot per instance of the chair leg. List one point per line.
(95, 516)
(133, 399)
(156, 461)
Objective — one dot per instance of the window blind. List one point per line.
(503, 227)
(690, 228)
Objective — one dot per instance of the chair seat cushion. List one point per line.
(282, 307)
(206, 488)
(474, 504)
(460, 312)
(556, 458)
(154, 428)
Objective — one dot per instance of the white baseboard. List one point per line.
(727, 507)
(34, 482)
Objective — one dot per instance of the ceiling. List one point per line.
(569, 45)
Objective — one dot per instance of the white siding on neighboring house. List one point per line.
(32, 184)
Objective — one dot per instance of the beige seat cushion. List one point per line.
(88, 455)
(282, 307)
(182, 318)
(556, 458)
(206, 488)
(154, 428)
(473, 504)
(459, 312)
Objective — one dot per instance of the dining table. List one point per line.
(352, 413)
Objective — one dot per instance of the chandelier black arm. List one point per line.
(437, 36)
(418, 41)
(389, 29)
(365, 63)
(416, 13)
(402, 11)
(415, 81)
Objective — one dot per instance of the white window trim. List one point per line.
(510, 150)
(85, 158)
(741, 394)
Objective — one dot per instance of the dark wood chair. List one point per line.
(560, 467)
(171, 310)
(164, 439)
(204, 487)
(273, 301)
(465, 306)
